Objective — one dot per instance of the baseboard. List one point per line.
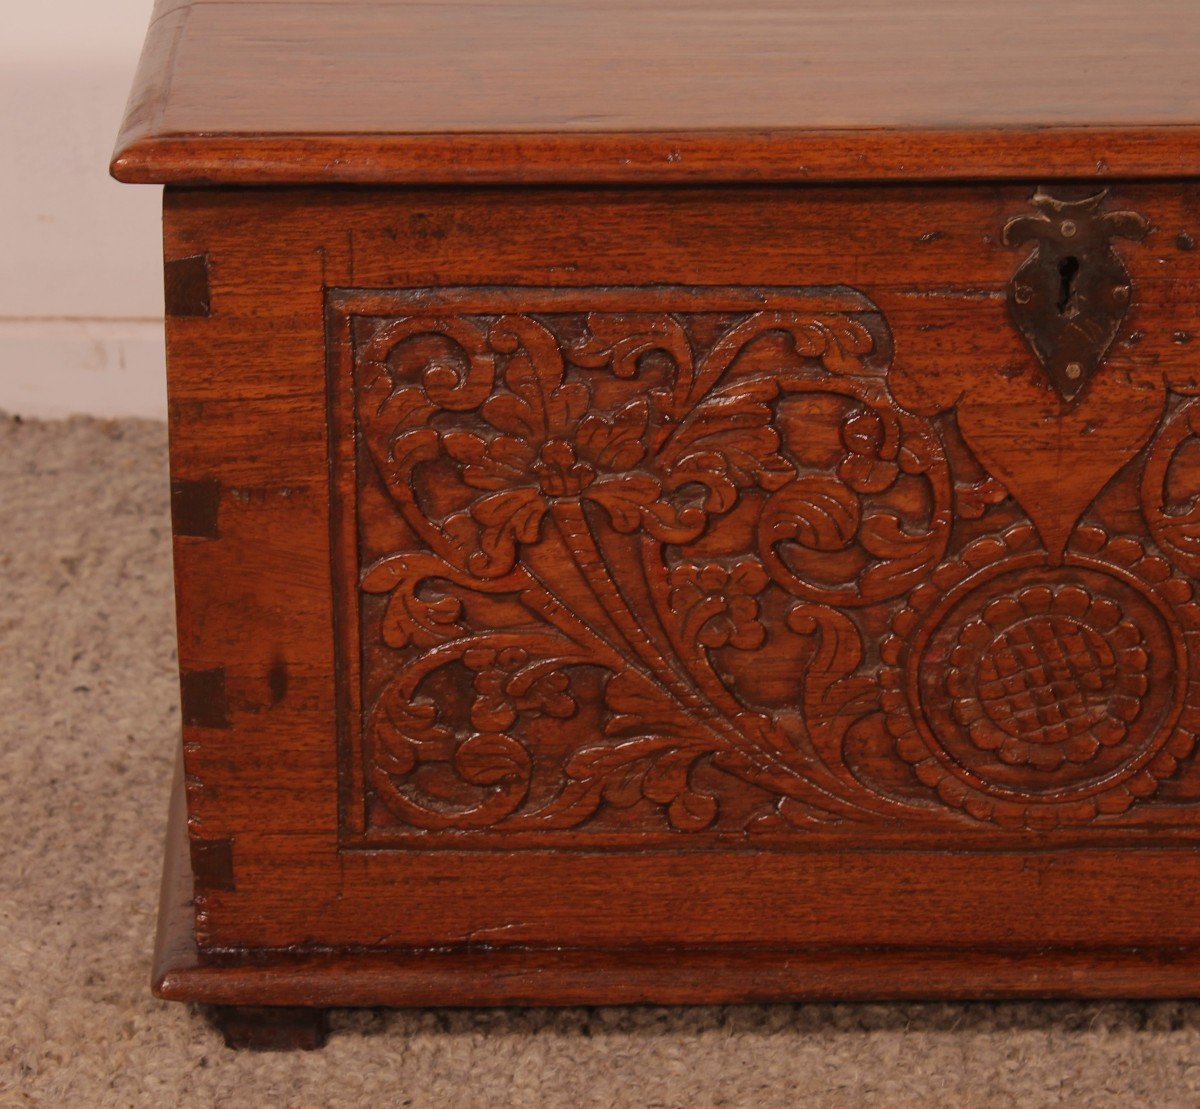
(64, 367)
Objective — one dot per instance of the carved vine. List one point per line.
(559, 497)
(643, 498)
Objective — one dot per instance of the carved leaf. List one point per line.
(1175, 524)
(488, 760)
(903, 555)
(495, 463)
(410, 618)
(505, 520)
(635, 500)
(628, 471)
(830, 693)
(615, 444)
(815, 511)
(972, 501)
(656, 768)
(738, 428)
(622, 341)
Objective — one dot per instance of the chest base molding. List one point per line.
(489, 975)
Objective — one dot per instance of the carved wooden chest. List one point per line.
(690, 504)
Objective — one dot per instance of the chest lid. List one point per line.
(590, 91)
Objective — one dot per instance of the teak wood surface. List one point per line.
(320, 824)
(711, 515)
(374, 92)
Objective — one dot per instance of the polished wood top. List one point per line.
(618, 90)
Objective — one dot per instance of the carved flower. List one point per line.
(1041, 695)
(508, 682)
(719, 604)
(559, 471)
(1047, 677)
(548, 448)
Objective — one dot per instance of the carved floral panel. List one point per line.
(676, 566)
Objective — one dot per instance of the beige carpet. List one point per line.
(88, 706)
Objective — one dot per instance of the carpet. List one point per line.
(90, 717)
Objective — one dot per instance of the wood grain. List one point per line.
(779, 586)
(485, 974)
(513, 90)
(252, 389)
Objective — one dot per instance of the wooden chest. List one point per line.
(688, 503)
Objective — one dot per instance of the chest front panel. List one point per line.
(547, 557)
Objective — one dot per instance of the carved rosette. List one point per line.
(1036, 694)
(1047, 675)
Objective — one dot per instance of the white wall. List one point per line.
(80, 255)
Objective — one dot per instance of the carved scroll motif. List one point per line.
(694, 571)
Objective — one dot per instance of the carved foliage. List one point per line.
(649, 555)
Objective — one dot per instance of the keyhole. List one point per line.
(1068, 269)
